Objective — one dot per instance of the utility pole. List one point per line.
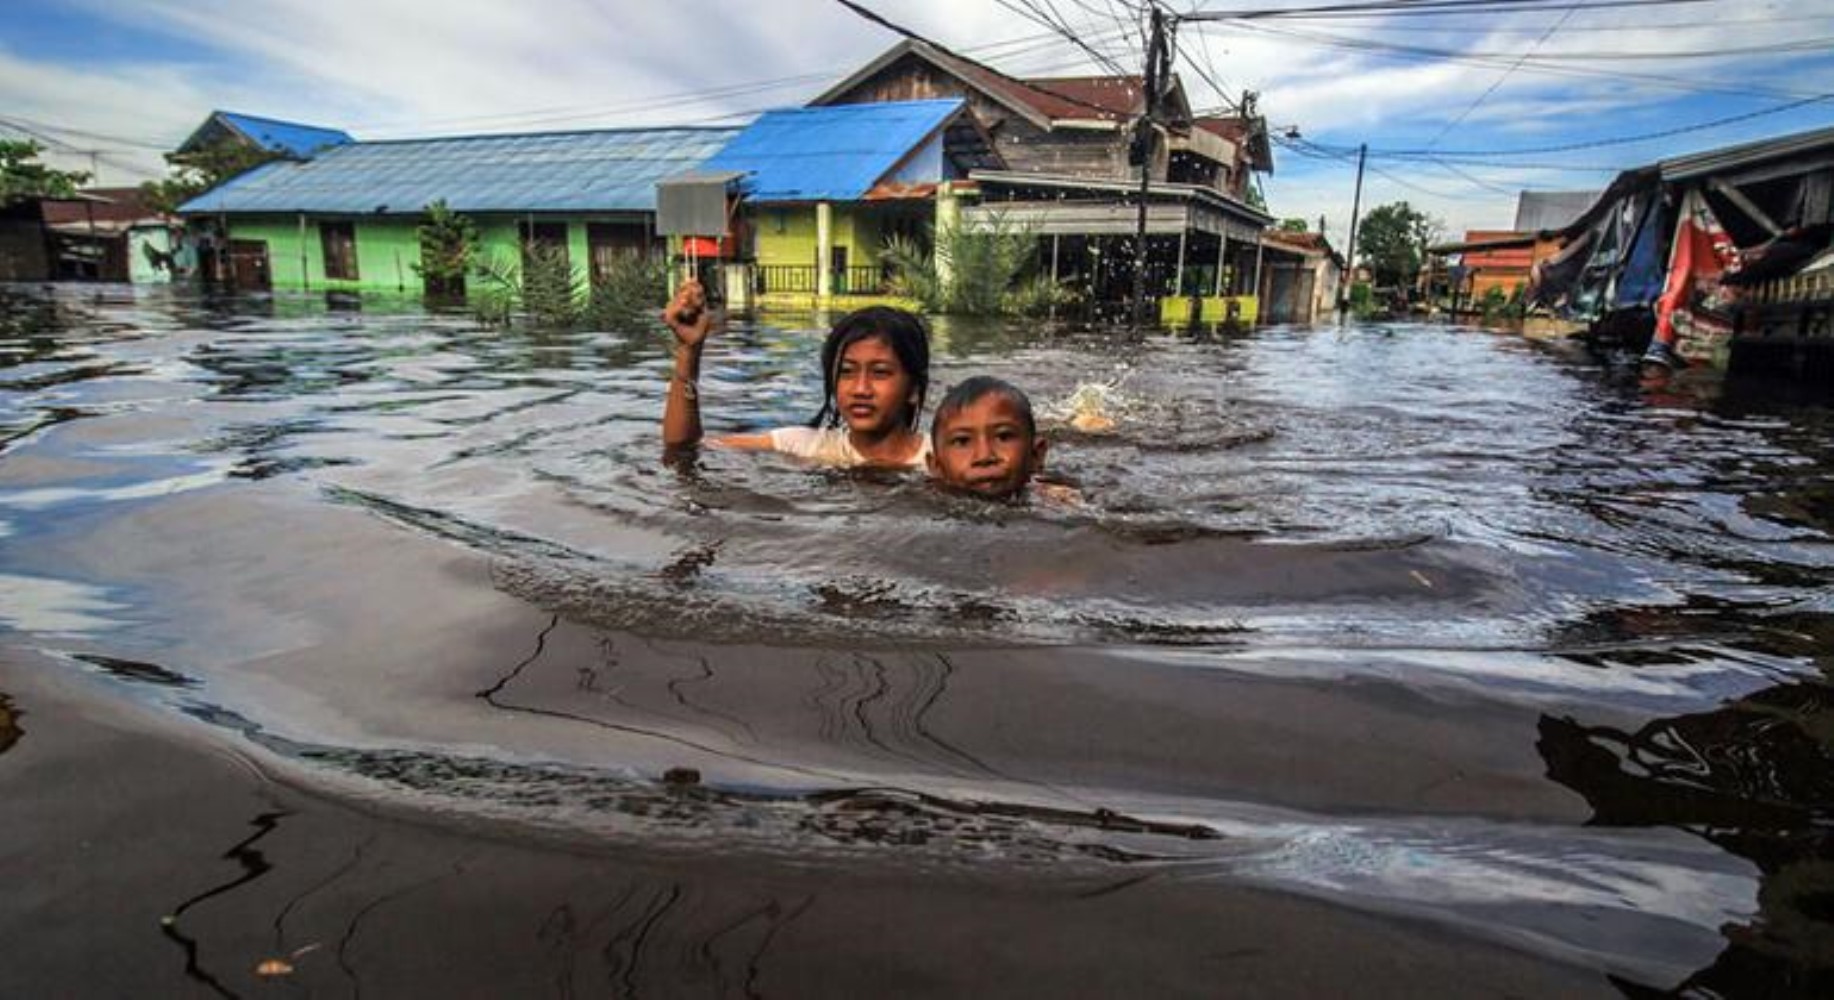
(1356, 207)
(1146, 142)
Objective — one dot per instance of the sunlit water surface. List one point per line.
(1411, 618)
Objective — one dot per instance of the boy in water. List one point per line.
(984, 439)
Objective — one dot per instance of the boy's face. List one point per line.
(984, 448)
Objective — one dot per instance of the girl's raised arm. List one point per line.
(690, 319)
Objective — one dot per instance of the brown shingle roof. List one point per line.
(124, 204)
(1119, 96)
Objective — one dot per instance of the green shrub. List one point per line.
(988, 269)
(447, 242)
(546, 290)
(631, 286)
(1362, 300)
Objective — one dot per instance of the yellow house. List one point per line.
(823, 188)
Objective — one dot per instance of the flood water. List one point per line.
(1417, 628)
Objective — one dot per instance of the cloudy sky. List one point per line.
(1460, 110)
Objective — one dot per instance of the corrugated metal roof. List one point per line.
(1539, 210)
(831, 153)
(290, 138)
(1682, 168)
(601, 171)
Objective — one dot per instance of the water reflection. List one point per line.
(10, 730)
(1324, 584)
(1755, 777)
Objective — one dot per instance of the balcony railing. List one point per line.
(860, 280)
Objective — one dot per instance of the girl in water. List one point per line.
(875, 372)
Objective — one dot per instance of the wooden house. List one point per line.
(1069, 174)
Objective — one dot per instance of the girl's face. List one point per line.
(871, 387)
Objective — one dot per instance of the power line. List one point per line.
(1620, 140)
(101, 137)
(1414, 53)
(1032, 12)
(1481, 98)
(1422, 8)
(1006, 48)
(983, 67)
(1640, 28)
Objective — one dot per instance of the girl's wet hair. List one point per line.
(971, 390)
(908, 340)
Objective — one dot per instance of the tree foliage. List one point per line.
(1293, 226)
(23, 177)
(194, 172)
(1393, 241)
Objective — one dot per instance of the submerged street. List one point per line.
(1374, 658)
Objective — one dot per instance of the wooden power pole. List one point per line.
(1145, 145)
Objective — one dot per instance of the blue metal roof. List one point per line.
(831, 153)
(290, 138)
(601, 171)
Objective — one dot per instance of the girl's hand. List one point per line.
(687, 314)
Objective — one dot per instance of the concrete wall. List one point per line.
(140, 269)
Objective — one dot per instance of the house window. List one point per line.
(552, 235)
(340, 242)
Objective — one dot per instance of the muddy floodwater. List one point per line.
(352, 649)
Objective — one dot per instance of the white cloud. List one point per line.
(406, 67)
(151, 104)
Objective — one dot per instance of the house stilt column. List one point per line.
(948, 216)
(824, 250)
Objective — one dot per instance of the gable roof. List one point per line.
(101, 204)
(833, 153)
(1307, 241)
(613, 170)
(1041, 101)
(1538, 210)
(276, 136)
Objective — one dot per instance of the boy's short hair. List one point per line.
(972, 390)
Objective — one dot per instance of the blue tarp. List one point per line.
(598, 171)
(832, 153)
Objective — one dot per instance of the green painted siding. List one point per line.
(388, 249)
(786, 235)
(858, 229)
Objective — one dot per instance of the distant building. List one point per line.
(346, 218)
(1300, 278)
(109, 234)
(1724, 257)
(1545, 211)
(1068, 148)
(1491, 262)
(289, 139)
(25, 244)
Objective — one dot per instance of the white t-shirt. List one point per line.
(833, 446)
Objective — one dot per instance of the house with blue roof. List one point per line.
(345, 217)
(290, 139)
(823, 187)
